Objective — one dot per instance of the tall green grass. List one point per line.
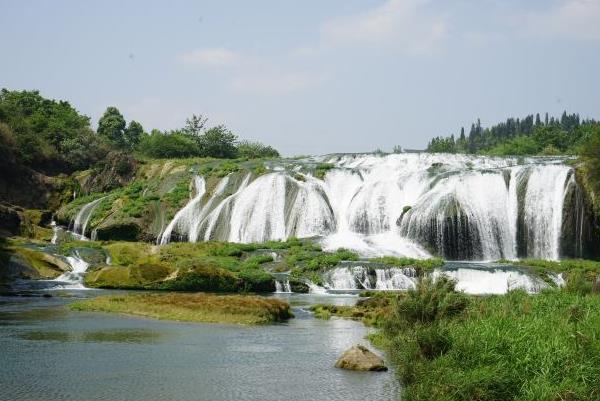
(447, 346)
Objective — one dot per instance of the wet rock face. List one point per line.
(360, 358)
(10, 220)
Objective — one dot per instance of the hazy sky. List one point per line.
(309, 77)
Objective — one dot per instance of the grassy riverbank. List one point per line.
(197, 307)
(449, 346)
(446, 345)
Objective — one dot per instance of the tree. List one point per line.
(218, 142)
(195, 125)
(133, 134)
(255, 150)
(112, 126)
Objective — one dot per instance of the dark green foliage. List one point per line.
(46, 135)
(218, 142)
(255, 150)
(112, 126)
(203, 278)
(133, 134)
(168, 145)
(527, 136)
(433, 300)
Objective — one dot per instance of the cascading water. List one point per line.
(187, 217)
(543, 210)
(395, 278)
(74, 278)
(83, 217)
(458, 206)
(282, 286)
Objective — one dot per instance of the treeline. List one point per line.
(53, 137)
(531, 135)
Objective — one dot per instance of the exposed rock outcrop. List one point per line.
(360, 358)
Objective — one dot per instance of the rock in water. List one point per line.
(360, 358)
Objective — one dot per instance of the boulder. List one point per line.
(360, 358)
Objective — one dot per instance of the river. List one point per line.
(51, 353)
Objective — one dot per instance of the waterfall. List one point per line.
(394, 278)
(543, 210)
(460, 207)
(84, 215)
(55, 229)
(479, 281)
(258, 213)
(73, 278)
(209, 224)
(185, 218)
(283, 286)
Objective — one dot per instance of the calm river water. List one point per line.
(50, 353)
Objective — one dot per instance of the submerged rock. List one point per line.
(360, 358)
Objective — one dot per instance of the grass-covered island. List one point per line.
(198, 307)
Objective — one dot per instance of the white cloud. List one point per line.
(215, 57)
(575, 19)
(404, 24)
(272, 83)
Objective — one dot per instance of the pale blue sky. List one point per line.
(309, 77)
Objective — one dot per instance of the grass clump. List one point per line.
(370, 311)
(198, 307)
(447, 346)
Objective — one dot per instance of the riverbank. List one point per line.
(446, 345)
(200, 307)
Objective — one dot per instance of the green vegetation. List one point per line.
(51, 137)
(28, 262)
(322, 169)
(46, 135)
(371, 311)
(191, 307)
(448, 346)
(528, 136)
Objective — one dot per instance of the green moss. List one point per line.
(321, 170)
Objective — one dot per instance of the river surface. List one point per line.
(50, 353)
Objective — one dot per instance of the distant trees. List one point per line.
(47, 135)
(133, 134)
(52, 137)
(112, 126)
(255, 150)
(527, 136)
(195, 140)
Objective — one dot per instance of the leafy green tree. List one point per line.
(255, 150)
(133, 133)
(42, 130)
(218, 142)
(112, 126)
(168, 145)
(195, 125)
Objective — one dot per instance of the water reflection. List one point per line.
(99, 336)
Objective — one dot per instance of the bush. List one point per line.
(255, 150)
(168, 145)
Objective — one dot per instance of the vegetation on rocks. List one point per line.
(197, 307)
